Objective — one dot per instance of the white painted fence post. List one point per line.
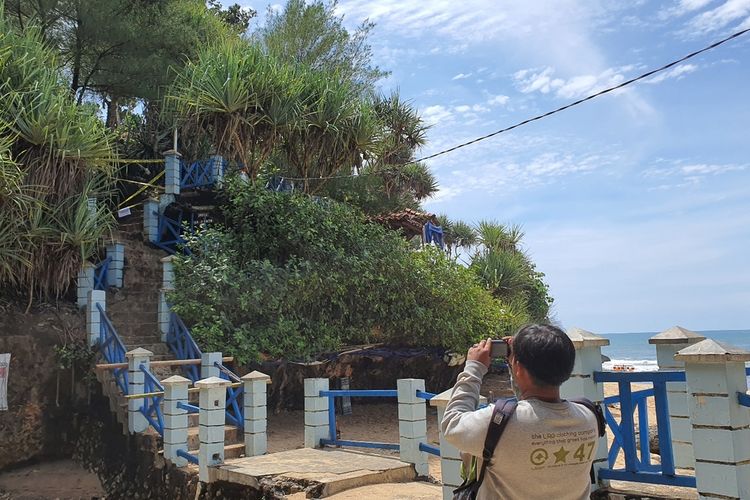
(167, 285)
(217, 169)
(720, 425)
(212, 402)
(151, 220)
(412, 424)
(316, 412)
(116, 254)
(172, 172)
(136, 379)
(93, 316)
(175, 418)
(581, 383)
(85, 283)
(208, 364)
(667, 344)
(450, 457)
(254, 401)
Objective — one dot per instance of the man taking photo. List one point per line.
(546, 445)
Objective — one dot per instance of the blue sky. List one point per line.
(635, 205)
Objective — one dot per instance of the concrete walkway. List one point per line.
(324, 472)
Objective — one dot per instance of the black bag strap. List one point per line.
(596, 410)
(504, 409)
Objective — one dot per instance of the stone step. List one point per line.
(232, 435)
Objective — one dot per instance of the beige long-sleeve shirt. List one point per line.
(546, 449)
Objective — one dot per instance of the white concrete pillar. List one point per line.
(136, 380)
(212, 403)
(581, 383)
(93, 316)
(175, 418)
(208, 364)
(720, 425)
(166, 287)
(116, 254)
(412, 424)
(254, 401)
(172, 172)
(667, 344)
(151, 220)
(316, 412)
(450, 457)
(85, 283)
(217, 169)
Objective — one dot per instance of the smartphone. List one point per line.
(499, 349)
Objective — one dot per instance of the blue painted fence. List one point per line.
(638, 465)
(333, 439)
(200, 174)
(112, 349)
(170, 232)
(151, 407)
(183, 346)
(100, 274)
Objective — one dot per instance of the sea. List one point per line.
(633, 349)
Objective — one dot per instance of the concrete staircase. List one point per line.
(133, 310)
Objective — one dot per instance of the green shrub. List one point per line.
(290, 276)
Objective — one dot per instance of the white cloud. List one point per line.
(721, 16)
(461, 76)
(436, 114)
(498, 100)
(464, 108)
(543, 80)
(682, 8)
(676, 72)
(684, 176)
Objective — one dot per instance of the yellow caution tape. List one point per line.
(148, 184)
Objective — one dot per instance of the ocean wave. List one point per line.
(638, 365)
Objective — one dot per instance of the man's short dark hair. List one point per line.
(546, 352)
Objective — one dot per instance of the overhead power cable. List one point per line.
(588, 98)
(548, 113)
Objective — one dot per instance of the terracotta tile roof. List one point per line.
(408, 220)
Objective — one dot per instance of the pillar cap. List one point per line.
(255, 375)
(712, 351)
(168, 258)
(138, 352)
(441, 400)
(584, 338)
(88, 263)
(676, 335)
(175, 380)
(172, 152)
(211, 382)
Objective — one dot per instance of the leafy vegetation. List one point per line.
(286, 275)
(54, 156)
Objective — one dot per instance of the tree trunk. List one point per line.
(75, 81)
(113, 112)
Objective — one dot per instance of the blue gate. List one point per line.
(638, 463)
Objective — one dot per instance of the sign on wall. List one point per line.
(4, 369)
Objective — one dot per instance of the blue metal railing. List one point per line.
(151, 407)
(170, 232)
(183, 346)
(188, 407)
(112, 349)
(234, 406)
(333, 439)
(100, 274)
(188, 456)
(199, 174)
(638, 466)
